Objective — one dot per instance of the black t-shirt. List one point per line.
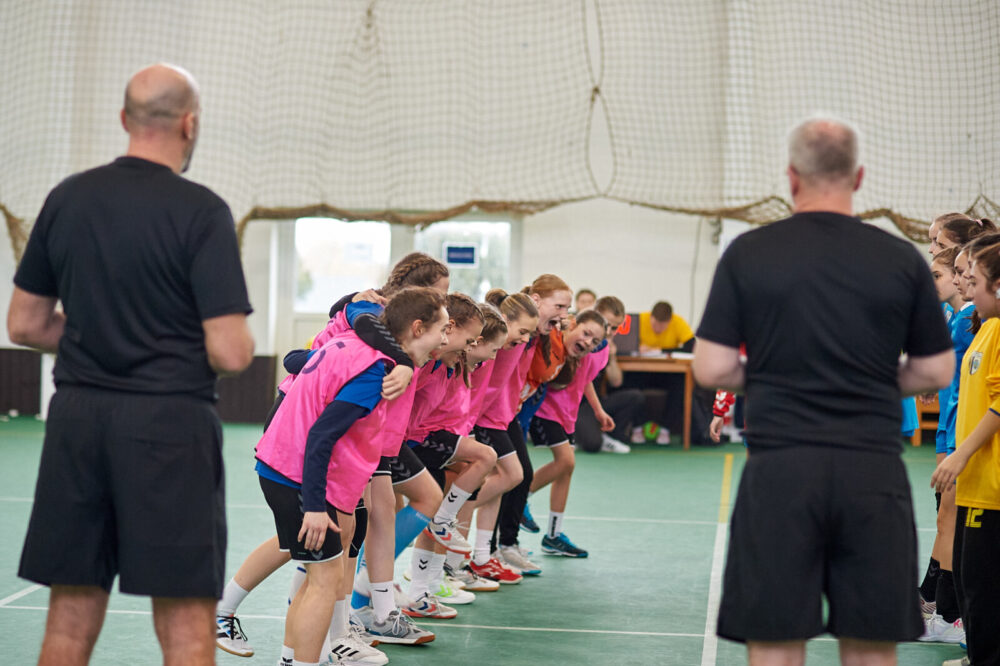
(825, 305)
(139, 257)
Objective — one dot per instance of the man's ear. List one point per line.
(794, 180)
(859, 178)
(189, 125)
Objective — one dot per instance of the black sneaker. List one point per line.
(560, 545)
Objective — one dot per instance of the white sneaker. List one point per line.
(964, 661)
(937, 630)
(469, 580)
(447, 535)
(638, 436)
(663, 437)
(612, 445)
(229, 636)
(352, 650)
(511, 555)
(452, 595)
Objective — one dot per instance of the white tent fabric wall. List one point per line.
(372, 105)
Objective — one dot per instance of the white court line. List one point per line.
(652, 521)
(17, 595)
(281, 618)
(710, 644)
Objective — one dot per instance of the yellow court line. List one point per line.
(727, 477)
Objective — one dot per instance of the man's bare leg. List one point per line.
(76, 615)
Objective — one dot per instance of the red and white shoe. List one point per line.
(493, 569)
(429, 606)
(447, 535)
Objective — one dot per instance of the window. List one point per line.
(334, 258)
(479, 256)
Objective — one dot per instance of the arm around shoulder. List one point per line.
(922, 374)
(229, 343)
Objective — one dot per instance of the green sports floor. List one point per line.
(653, 521)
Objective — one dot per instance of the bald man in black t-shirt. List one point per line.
(154, 307)
(824, 304)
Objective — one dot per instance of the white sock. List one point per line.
(287, 654)
(298, 577)
(436, 571)
(481, 552)
(232, 596)
(338, 623)
(555, 523)
(420, 572)
(383, 600)
(454, 560)
(450, 505)
(296, 662)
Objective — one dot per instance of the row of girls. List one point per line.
(410, 392)
(960, 593)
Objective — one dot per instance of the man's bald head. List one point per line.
(824, 150)
(158, 96)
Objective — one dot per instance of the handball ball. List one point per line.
(650, 430)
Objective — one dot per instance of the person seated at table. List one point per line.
(661, 329)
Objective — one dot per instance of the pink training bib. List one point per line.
(283, 445)
(563, 406)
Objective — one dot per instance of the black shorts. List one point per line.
(133, 485)
(405, 466)
(498, 439)
(548, 433)
(286, 505)
(384, 467)
(811, 521)
(437, 449)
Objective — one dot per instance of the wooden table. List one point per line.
(665, 364)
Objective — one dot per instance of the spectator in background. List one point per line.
(585, 298)
(661, 329)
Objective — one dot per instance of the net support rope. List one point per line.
(417, 112)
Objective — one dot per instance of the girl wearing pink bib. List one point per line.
(331, 407)
(555, 421)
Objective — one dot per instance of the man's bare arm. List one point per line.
(717, 366)
(229, 343)
(33, 321)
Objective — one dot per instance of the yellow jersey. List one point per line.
(673, 336)
(978, 485)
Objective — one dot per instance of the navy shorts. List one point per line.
(815, 521)
(129, 485)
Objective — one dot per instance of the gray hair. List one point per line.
(824, 148)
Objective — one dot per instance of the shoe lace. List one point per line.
(397, 623)
(233, 628)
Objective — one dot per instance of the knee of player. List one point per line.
(486, 454)
(515, 477)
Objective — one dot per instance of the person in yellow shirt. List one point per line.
(975, 468)
(660, 328)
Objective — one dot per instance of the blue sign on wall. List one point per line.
(461, 255)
